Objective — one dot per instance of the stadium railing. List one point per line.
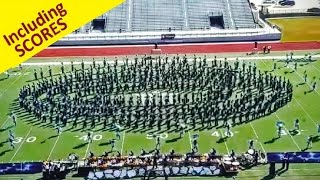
(178, 34)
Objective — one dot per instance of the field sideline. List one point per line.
(37, 142)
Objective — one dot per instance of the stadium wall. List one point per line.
(264, 37)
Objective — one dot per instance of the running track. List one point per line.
(172, 49)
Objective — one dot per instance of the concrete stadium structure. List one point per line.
(174, 21)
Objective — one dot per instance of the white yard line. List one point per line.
(123, 134)
(25, 138)
(315, 68)
(190, 139)
(306, 112)
(294, 141)
(85, 155)
(225, 143)
(5, 90)
(4, 122)
(53, 147)
(296, 101)
(255, 133)
(306, 82)
(257, 138)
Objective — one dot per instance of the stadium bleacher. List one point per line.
(167, 15)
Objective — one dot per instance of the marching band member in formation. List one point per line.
(166, 93)
(279, 126)
(296, 125)
(309, 142)
(251, 144)
(14, 118)
(89, 137)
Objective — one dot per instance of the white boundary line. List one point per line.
(25, 138)
(225, 143)
(257, 138)
(53, 147)
(123, 134)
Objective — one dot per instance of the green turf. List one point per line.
(48, 145)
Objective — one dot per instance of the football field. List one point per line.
(36, 141)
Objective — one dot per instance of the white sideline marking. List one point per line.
(123, 134)
(257, 137)
(53, 147)
(225, 142)
(25, 138)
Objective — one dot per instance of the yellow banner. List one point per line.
(27, 27)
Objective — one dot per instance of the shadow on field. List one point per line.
(222, 140)
(2, 79)
(300, 84)
(54, 136)
(3, 142)
(105, 143)
(268, 177)
(293, 132)
(7, 128)
(307, 92)
(316, 139)
(4, 152)
(80, 145)
(172, 140)
(271, 140)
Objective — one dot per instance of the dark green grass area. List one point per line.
(37, 141)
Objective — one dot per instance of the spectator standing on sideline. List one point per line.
(269, 49)
(264, 49)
